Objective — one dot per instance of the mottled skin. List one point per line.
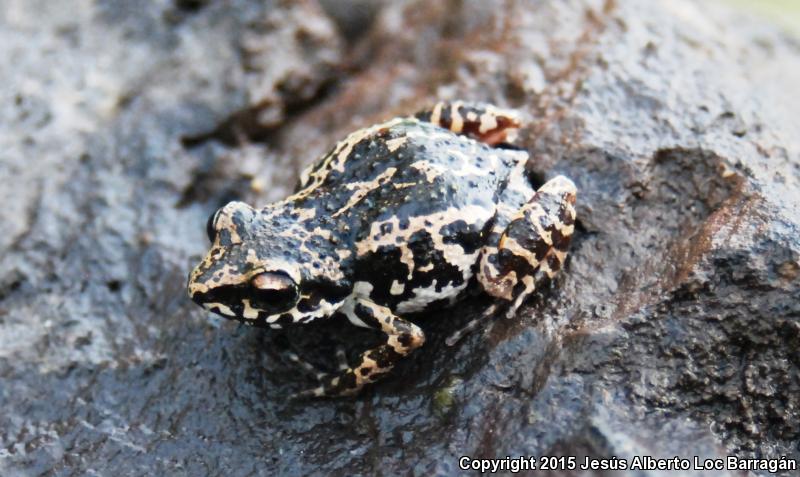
(399, 217)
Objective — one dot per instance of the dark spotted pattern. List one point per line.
(397, 218)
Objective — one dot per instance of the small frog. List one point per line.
(398, 218)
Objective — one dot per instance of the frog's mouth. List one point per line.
(267, 293)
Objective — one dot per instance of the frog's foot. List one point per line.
(533, 246)
(402, 337)
(483, 122)
(313, 371)
(308, 368)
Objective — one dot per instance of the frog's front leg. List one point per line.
(483, 122)
(401, 338)
(531, 249)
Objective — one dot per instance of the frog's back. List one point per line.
(408, 167)
(417, 200)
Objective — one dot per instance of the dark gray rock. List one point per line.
(675, 330)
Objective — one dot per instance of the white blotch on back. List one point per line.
(362, 289)
(399, 238)
(424, 296)
(397, 288)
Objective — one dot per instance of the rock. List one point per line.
(674, 330)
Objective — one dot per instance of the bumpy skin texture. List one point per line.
(400, 217)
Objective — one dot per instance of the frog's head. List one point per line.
(261, 271)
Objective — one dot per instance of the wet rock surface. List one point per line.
(675, 330)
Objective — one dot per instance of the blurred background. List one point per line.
(785, 13)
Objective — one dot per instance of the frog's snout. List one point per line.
(192, 284)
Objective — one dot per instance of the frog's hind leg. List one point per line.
(480, 121)
(533, 247)
(402, 337)
(526, 249)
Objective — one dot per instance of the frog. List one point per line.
(397, 220)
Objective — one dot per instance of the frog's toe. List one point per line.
(471, 326)
(336, 386)
(341, 358)
(308, 368)
(317, 392)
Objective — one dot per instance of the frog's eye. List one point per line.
(211, 226)
(274, 290)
